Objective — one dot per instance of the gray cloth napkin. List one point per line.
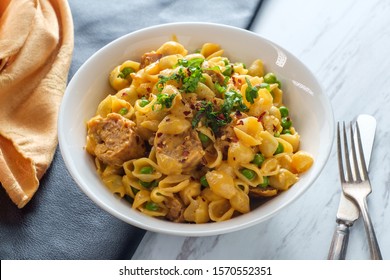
(61, 222)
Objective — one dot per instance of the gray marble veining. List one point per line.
(346, 44)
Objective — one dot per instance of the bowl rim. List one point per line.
(157, 225)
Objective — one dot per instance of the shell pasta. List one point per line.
(194, 137)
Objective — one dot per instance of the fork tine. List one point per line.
(362, 159)
(356, 170)
(339, 154)
(346, 153)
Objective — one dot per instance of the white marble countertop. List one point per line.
(346, 44)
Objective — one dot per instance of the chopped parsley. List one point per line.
(162, 80)
(194, 71)
(165, 100)
(211, 118)
(233, 102)
(189, 75)
(216, 119)
(220, 88)
(228, 70)
(125, 72)
(250, 92)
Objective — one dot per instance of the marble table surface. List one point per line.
(346, 44)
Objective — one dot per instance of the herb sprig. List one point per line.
(125, 72)
(215, 119)
(189, 75)
(165, 100)
(250, 92)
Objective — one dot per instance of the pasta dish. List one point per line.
(193, 137)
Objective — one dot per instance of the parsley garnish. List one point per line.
(162, 80)
(220, 88)
(165, 100)
(125, 72)
(218, 118)
(189, 75)
(250, 92)
(228, 71)
(191, 64)
(191, 81)
(213, 119)
(233, 102)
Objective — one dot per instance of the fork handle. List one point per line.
(375, 252)
(338, 247)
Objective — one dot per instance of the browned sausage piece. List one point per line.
(185, 148)
(114, 140)
(176, 209)
(149, 58)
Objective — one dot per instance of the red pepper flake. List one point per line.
(260, 118)
(186, 153)
(186, 113)
(159, 134)
(240, 122)
(234, 80)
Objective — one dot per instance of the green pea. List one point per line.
(203, 181)
(143, 102)
(283, 111)
(147, 170)
(203, 138)
(151, 184)
(286, 131)
(134, 190)
(151, 206)
(265, 182)
(249, 174)
(286, 122)
(279, 149)
(123, 111)
(258, 159)
(270, 78)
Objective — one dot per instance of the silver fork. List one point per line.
(355, 181)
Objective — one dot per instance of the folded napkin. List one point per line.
(36, 45)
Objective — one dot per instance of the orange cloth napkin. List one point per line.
(36, 45)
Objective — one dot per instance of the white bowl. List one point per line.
(309, 107)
